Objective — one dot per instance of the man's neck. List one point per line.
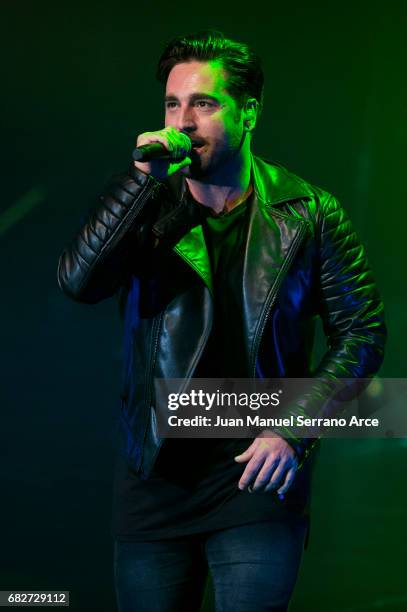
(224, 194)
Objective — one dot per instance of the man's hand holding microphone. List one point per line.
(163, 153)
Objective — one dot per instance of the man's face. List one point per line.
(198, 104)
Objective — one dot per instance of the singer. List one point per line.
(221, 261)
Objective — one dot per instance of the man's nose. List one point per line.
(186, 120)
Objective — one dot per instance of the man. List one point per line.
(222, 262)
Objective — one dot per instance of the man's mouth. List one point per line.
(197, 145)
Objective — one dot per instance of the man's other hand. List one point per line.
(272, 463)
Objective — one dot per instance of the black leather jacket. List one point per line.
(302, 260)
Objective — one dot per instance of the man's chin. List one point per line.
(202, 166)
(194, 170)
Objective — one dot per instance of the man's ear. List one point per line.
(250, 114)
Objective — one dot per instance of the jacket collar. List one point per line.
(273, 185)
(273, 239)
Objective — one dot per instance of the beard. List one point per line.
(206, 166)
(196, 168)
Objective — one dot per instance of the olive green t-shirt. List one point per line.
(225, 239)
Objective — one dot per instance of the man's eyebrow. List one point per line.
(193, 97)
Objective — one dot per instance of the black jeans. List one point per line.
(253, 568)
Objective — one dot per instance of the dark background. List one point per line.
(77, 87)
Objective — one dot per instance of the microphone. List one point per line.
(156, 150)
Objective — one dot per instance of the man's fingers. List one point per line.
(181, 145)
(185, 143)
(281, 480)
(266, 472)
(277, 477)
(176, 143)
(250, 472)
(246, 455)
(185, 162)
(175, 166)
(271, 464)
(178, 146)
(149, 137)
(288, 481)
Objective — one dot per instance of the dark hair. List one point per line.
(243, 66)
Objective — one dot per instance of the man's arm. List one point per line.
(352, 311)
(352, 314)
(117, 239)
(111, 243)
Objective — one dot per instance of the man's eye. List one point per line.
(203, 104)
(170, 104)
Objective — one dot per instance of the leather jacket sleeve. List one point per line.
(352, 314)
(113, 241)
(352, 311)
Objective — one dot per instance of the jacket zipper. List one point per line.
(149, 379)
(273, 294)
(150, 376)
